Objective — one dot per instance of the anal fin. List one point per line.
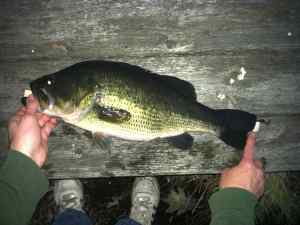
(183, 141)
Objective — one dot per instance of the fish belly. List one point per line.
(143, 128)
(150, 116)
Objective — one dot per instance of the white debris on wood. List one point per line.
(290, 34)
(256, 127)
(241, 75)
(183, 48)
(221, 96)
(231, 81)
(27, 92)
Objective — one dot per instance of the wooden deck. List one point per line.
(205, 42)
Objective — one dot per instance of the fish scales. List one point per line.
(147, 122)
(129, 102)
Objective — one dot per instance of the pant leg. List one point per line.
(127, 221)
(72, 217)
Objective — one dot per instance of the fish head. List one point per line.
(58, 94)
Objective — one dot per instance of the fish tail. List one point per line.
(234, 125)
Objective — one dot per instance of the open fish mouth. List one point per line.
(49, 97)
(45, 99)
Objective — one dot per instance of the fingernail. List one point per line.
(30, 98)
(251, 134)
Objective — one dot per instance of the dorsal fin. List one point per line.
(185, 88)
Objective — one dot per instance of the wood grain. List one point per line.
(72, 154)
(205, 42)
(53, 29)
(271, 85)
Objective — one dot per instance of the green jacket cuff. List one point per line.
(23, 184)
(233, 204)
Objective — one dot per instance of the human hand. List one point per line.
(29, 131)
(248, 174)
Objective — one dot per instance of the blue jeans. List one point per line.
(75, 217)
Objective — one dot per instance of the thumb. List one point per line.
(248, 155)
(32, 105)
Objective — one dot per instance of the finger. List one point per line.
(264, 162)
(54, 120)
(261, 183)
(32, 105)
(19, 114)
(13, 124)
(30, 97)
(225, 171)
(46, 130)
(258, 164)
(14, 120)
(39, 115)
(21, 111)
(43, 120)
(248, 154)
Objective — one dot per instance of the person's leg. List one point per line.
(72, 217)
(127, 221)
(68, 195)
(144, 200)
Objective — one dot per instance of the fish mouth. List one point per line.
(51, 100)
(45, 99)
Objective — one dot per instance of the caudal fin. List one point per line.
(235, 125)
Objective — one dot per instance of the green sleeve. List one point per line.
(22, 184)
(232, 206)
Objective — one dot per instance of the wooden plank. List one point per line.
(71, 154)
(271, 85)
(205, 42)
(54, 29)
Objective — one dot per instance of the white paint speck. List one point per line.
(290, 34)
(231, 81)
(242, 74)
(221, 96)
(49, 82)
(32, 51)
(256, 127)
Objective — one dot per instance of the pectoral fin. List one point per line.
(111, 114)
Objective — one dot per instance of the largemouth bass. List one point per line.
(129, 102)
